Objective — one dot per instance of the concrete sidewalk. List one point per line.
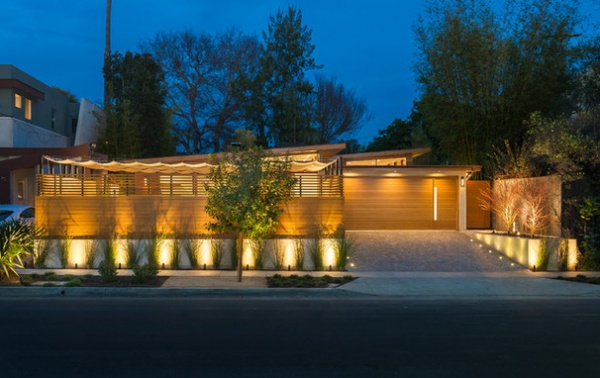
(414, 285)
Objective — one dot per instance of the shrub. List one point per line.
(343, 248)
(74, 282)
(278, 254)
(132, 254)
(216, 253)
(299, 253)
(26, 280)
(41, 253)
(64, 251)
(258, 253)
(153, 249)
(233, 253)
(543, 257)
(190, 248)
(107, 270)
(144, 273)
(92, 250)
(174, 255)
(110, 252)
(16, 242)
(315, 246)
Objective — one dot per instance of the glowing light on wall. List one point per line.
(328, 253)
(288, 252)
(435, 203)
(205, 252)
(164, 254)
(77, 252)
(121, 252)
(248, 258)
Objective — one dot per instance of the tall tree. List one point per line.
(338, 111)
(246, 193)
(484, 69)
(201, 73)
(278, 96)
(138, 123)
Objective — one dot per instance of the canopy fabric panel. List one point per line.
(170, 169)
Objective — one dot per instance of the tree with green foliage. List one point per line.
(397, 136)
(246, 191)
(412, 132)
(278, 97)
(483, 69)
(137, 121)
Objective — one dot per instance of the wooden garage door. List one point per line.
(382, 203)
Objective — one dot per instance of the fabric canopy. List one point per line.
(170, 169)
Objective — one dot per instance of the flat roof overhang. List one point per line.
(327, 151)
(22, 88)
(413, 171)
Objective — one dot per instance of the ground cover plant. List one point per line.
(581, 278)
(306, 281)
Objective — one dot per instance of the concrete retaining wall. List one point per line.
(281, 250)
(552, 253)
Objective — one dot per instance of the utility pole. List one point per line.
(107, 53)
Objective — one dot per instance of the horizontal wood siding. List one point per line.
(476, 216)
(143, 216)
(382, 203)
(303, 214)
(135, 215)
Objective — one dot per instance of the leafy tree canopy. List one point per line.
(137, 121)
(483, 69)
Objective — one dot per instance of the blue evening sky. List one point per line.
(367, 44)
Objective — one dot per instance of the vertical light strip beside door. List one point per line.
(434, 202)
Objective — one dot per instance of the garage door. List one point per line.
(392, 203)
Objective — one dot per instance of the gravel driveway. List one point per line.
(424, 251)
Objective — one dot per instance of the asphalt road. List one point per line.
(83, 337)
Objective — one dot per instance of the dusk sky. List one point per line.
(368, 45)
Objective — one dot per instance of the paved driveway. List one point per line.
(424, 251)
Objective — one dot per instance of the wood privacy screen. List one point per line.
(145, 216)
(127, 184)
(143, 205)
(392, 203)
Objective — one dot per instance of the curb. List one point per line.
(103, 292)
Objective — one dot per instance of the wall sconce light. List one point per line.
(462, 181)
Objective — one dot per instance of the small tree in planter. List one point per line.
(535, 210)
(503, 199)
(246, 191)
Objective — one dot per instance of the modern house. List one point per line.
(36, 119)
(365, 191)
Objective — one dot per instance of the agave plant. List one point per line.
(16, 241)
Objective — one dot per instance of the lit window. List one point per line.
(27, 108)
(18, 101)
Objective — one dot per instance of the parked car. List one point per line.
(24, 212)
